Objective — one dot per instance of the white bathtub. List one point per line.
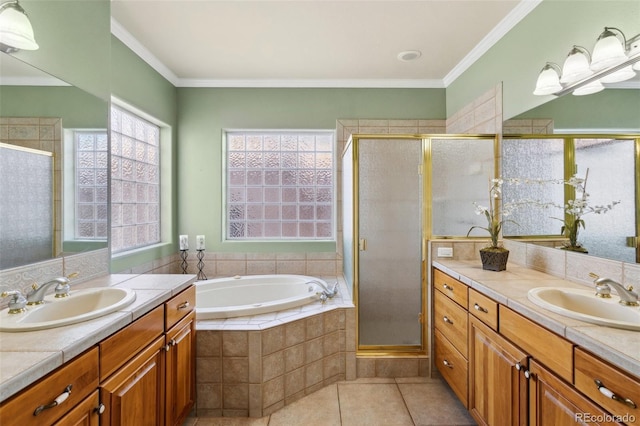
(253, 294)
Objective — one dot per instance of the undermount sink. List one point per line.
(582, 304)
(79, 306)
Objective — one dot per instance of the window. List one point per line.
(135, 181)
(91, 157)
(279, 185)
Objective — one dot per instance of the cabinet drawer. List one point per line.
(548, 348)
(589, 368)
(81, 374)
(179, 306)
(451, 287)
(453, 366)
(483, 308)
(121, 346)
(451, 320)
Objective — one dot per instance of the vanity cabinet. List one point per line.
(153, 370)
(554, 402)
(521, 373)
(69, 385)
(451, 333)
(497, 387)
(143, 373)
(180, 357)
(87, 413)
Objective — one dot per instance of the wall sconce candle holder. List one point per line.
(183, 265)
(201, 275)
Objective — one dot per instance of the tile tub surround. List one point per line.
(253, 366)
(619, 347)
(26, 357)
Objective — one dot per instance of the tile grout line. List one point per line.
(395, 380)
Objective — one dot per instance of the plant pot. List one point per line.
(494, 259)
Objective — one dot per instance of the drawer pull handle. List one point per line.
(447, 364)
(184, 305)
(100, 409)
(447, 287)
(610, 394)
(518, 366)
(446, 319)
(59, 400)
(480, 308)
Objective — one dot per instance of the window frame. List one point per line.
(291, 240)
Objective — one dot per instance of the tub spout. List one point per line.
(326, 293)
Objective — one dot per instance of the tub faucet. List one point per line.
(36, 296)
(327, 293)
(628, 297)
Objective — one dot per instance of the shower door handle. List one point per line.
(362, 244)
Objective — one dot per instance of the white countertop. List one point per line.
(26, 357)
(618, 347)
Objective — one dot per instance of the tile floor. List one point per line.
(366, 402)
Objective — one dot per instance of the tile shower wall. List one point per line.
(483, 115)
(254, 373)
(539, 126)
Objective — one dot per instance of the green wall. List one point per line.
(74, 38)
(134, 82)
(204, 113)
(77, 108)
(545, 34)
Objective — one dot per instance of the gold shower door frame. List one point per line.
(426, 172)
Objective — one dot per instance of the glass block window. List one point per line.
(135, 181)
(91, 156)
(280, 185)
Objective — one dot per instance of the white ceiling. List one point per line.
(312, 43)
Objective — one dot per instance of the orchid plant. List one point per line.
(494, 215)
(574, 211)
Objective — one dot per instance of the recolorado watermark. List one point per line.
(604, 418)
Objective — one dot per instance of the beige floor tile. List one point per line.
(318, 409)
(375, 404)
(434, 404)
(232, 421)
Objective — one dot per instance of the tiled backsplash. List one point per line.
(560, 263)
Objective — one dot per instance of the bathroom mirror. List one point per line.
(42, 112)
(610, 112)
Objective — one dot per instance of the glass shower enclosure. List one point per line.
(383, 243)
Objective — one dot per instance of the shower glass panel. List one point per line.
(390, 243)
(461, 170)
(347, 216)
(611, 178)
(533, 159)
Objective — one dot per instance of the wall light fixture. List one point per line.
(16, 32)
(614, 59)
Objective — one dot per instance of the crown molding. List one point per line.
(516, 15)
(315, 83)
(508, 22)
(33, 81)
(139, 49)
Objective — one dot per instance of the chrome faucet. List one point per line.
(17, 303)
(36, 296)
(628, 297)
(327, 293)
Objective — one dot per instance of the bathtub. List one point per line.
(253, 294)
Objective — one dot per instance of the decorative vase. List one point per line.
(494, 259)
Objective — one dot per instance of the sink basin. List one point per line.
(81, 305)
(582, 304)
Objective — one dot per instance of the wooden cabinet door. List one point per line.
(180, 370)
(553, 402)
(134, 395)
(87, 413)
(497, 386)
